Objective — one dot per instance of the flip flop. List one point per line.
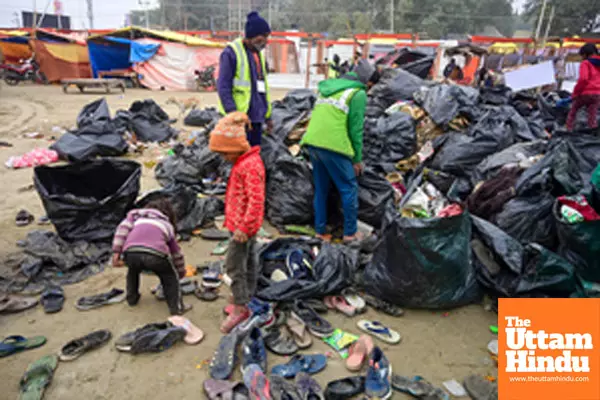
(217, 389)
(157, 341)
(354, 300)
(24, 218)
(281, 389)
(211, 276)
(317, 305)
(77, 347)
(279, 344)
(90, 302)
(381, 332)
(415, 386)
(194, 334)
(206, 294)
(186, 286)
(14, 344)
(328, 301)
(53, 299)
(345, 388)
(215, 234)
(297, 328)
(359, 352)
(308, 388)
(223, 362)
(221, 248)
(37, 376)
(14, 304)
(310, 364)
(316, 325)
(381, 305)
(258, 384)
(124, 342)
(342, 306)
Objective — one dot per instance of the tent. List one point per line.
(163, 60)
(60, 56)
(14, 45)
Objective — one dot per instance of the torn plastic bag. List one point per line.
(290, 192)
(333, 270)
(529, 220)
(202, 118)
(517, 154)
(150, 123)
(87, 201)
(189, 165)
(580, 244)
(96, 112)
(508, 269)
(443, 103)
(78, 147)
(424, 263)
(391, 140)
(191, 212)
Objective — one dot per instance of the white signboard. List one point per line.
(531, 76)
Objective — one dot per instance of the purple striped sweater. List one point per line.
(151, 229)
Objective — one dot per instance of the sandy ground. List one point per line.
(437, 345)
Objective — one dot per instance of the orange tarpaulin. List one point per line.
(62, 60)
(13, 52)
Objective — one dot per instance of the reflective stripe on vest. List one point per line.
(238, 47)
(341, 103)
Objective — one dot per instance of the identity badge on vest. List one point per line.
(261, 87)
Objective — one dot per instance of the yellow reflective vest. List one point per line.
(242, 84)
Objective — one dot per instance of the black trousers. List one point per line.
(138, 260)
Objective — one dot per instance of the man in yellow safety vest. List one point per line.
(242, 84)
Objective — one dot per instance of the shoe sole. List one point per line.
(114, 300)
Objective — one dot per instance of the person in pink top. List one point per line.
(587, 90)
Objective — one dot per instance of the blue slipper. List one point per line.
(310, 364)
(13, 344)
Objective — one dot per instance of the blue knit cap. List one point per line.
(256, 25)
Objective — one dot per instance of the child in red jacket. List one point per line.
(587, 90)
(244, 209)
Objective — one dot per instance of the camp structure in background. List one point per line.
(60, 56)
(162, 60)
(14, 45)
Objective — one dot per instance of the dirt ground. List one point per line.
(436, 345)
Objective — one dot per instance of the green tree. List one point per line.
(572, 17)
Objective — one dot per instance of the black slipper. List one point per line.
(316, 325)
(345, 388)
(52, 299)
(157, 341)
(24, 218)
(125, 341)
(207, 294)
(77, 347)
(383, 306)
(280, 345)
(317, 305)
(414, 387)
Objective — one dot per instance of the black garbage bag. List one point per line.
(443, 103)
(202, 118)
(333, 270)
(95, 113)
(424, 263)
(189, 165)
(290, 192)
(420, 68)
(529, 220)
(392, 139)
(512, 155)
(87, 201)
(300, 99)
(150, 123)
(580, 245)
(497, 95)
(271, 149)
(374, 195)
(82, 147)
(394, 85)
(583, 149)
(509, 269)
(191, 212)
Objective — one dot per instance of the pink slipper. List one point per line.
(342, 306)
(194, 334)
(328, 301)
(234, 320)
(359, 351)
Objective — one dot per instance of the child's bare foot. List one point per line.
(239, 315)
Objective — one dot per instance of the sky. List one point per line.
(107, 13)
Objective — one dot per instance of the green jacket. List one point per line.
(338, 117)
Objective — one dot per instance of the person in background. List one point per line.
(244, 210)
(242, 84)
(587, 90)
(334, 140)
(146, 240)
(333, 71)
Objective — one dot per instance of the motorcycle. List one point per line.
(28, 71)
(205, 79)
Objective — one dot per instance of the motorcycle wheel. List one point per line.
(11, 81)
(41, 78)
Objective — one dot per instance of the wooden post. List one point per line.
(308, 56)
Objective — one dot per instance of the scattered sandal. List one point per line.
(315, 324)
(24, 218)
(157, 341)
(223, 362)
(354, 300)
(13, 304)
(217, 389)
(14, 344)
(379, 331)
(383, 306)
(77, 347)
(124, 342)
(310, 364)
(279, 344)
(186, 285)
(37, 377)
(359, 353)
(345, 388)
(53, 299)
(194, 334)
(297, 328)
(206, 294)
(340, 304)
(99, 300)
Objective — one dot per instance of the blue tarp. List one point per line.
(118, 54)
(16, 39)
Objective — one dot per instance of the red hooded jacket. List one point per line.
(589, 77)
